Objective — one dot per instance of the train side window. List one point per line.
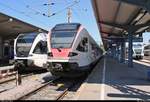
(41, 48)
(83, 45)
(147, 48)
(44, 47)
(93, 46)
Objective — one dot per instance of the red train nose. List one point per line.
(60, 52)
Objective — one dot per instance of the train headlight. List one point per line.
(71, 54)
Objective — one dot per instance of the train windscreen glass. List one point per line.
(66, 27)
(137, 45)
(24, 43)
(62, 39)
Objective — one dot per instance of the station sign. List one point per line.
(124, 39)
(136, 39)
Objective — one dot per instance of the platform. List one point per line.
(111, 80)
(7, 67)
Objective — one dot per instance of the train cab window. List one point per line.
(147, 48)
(92, 46)
(41, 48)
(83, 45)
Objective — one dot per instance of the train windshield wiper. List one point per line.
(59, 48)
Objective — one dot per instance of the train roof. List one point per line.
(66, 26)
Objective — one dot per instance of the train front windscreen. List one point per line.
(62, 39)
(24, 44)
(63, 35)
(137, 46)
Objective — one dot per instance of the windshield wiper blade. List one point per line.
(59, 48)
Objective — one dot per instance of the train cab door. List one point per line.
(92, 54)
(83, 49)
(39, 55)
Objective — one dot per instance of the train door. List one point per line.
(40, 54)
(92, 52)
(84, 52)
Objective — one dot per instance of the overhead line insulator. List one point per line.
(49, 4)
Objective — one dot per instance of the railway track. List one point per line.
(55, 89)
(37, 90)
(7, 71)
(56, 92)
(51, 90)
(145, 61)
(65, 92)
(9, 74)
(11, 80)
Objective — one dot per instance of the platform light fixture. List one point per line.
(10, 20)
(39, 30)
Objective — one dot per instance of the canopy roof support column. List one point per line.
(122, 52)
(130, 50)
(118, 51)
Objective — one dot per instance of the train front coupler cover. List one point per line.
(23, 64)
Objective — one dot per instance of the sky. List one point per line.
(31, 11)
(146, 37)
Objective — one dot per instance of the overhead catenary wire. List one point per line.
(76, 14)
(80, 9)
(21, 12)
(75, 2)
(38, 12)
(77, 10)
(53, 14)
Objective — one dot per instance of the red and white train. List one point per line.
(71, 50)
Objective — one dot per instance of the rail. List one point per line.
(65, 92)
(38, 89)
(7, 71)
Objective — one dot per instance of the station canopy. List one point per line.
(114, 17)
(10, 27)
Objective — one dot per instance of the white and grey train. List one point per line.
(138, 50)
(71, 50)
(147, 50)
(30, 49)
